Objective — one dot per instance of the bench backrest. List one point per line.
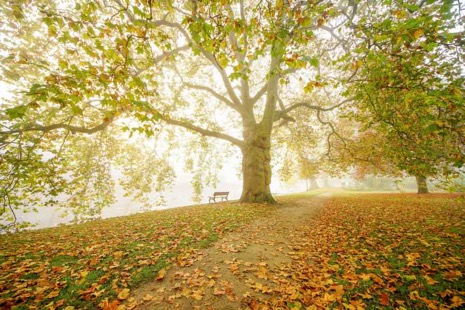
(220, 193)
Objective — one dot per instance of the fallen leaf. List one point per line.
(197, 295)
(148, 297)
(118, 254)
(124, 294)
(384, 299)
(161, 274)
(106, 305)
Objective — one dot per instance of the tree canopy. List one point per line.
(84, 75)
(409, 87)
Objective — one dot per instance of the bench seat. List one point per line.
(222, 195)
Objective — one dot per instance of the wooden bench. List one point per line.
(222, 195)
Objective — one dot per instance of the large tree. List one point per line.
(209, 67)
(229, 69)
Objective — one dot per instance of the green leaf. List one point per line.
(16, 112)
(314, 61)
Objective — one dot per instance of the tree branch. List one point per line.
(209, 56)
(204, 132)
(240, 55)
(283, 113)
(259, 94)
(170, 53)
(37, 127)
(213, 93)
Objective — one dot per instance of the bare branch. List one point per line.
(165, 55)
(209, 56)
(204, 132)
(283, 113)
(213, 93)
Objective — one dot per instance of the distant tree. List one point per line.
(309, 172)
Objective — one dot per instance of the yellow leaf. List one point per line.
(211, 283)
(457, 301)
(197, 295)
(148, 297)
(410, 278)
(217, 291)
(414, 295)
(418, 33)
(124, 294)
(366, 296)
(328, 297)
(53, 294)
(161, 274)
(430, 281)
(118, 254)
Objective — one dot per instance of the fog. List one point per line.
(180, 194)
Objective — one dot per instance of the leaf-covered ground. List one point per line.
(364, 251)
(400, 251)
(97, 264)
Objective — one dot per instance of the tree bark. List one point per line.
(256, 166)
(313, 184)
(421, 184)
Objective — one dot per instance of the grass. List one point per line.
(82, 265)
(362, 251)
(387, 251)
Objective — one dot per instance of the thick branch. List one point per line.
(240, 55)
(209, 56)
(202, 131)
(259, 94)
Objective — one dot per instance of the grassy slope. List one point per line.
(82, 265)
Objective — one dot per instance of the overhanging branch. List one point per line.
(72, 128)
(204, 132)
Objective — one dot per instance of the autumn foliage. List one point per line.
(353, 251)
(95, 265)
(375, 252)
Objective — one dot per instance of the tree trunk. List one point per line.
(421, 184)
(313, 184)
(256, 166)
(256, 157)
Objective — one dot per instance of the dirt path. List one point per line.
(238, 269)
